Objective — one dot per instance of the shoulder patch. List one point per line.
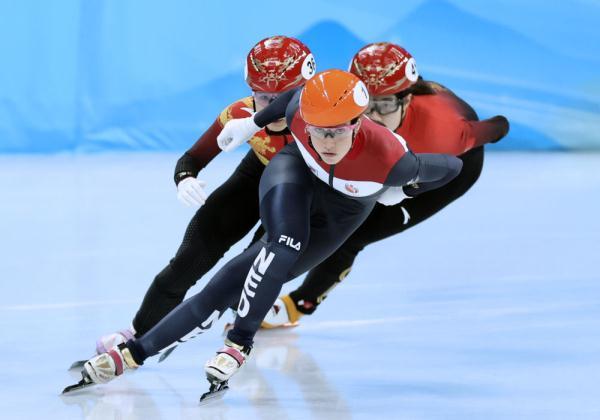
(241, 108)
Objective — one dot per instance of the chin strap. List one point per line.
(353, 138)
(402, 116)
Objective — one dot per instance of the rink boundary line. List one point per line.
(355, 323)
(42, 306)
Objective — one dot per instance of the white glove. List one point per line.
(392, 196)
(191, 192)
(236, 132)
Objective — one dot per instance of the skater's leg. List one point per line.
(190, 318)
(290, 223)
(291, 199)
(209, 235)
(285, 195)
(196, 314)
(383, 222)
(285, 214)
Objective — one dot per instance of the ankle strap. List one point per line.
(235, 353)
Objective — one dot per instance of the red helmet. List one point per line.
(279, 63)
(385, 68)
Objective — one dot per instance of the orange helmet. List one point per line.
(333, 97)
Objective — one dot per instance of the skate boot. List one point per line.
(104, 367)
(226, 362)
(284, 313)
(107, 342)
(107, 366)
(221, 367)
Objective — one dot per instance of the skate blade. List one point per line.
(215, 393)
(166, 354)
(77, 365)
(84, 383)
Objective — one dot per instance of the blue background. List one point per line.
(150, 75)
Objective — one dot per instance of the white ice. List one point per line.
(490, 310)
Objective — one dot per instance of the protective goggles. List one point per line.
(386, 106)
(332, 132)
(264, 98)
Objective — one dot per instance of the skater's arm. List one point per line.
(204, 150)
(237, 132)
(200, 154)
(421, 172)
(278, 108)
(190, 191)
(478, 133)
(473, 132)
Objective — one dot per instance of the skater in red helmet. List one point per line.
(274, 65)
(431, 119)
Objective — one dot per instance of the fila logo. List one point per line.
(255, 276)
(289, 242)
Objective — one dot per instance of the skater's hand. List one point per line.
(191, 192)
(236, 132)
(503, 126)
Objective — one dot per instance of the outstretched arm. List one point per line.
(239, 131)
(200, 154)
(415, 174)
(478, 133)
(276, 109)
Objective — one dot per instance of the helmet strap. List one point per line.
(354, 132)
(402, 115)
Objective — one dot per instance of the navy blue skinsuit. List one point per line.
(305, 221)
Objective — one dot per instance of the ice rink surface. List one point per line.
(489, 310)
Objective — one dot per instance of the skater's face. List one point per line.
(261, 101)
(388, 110)
(332, 143)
